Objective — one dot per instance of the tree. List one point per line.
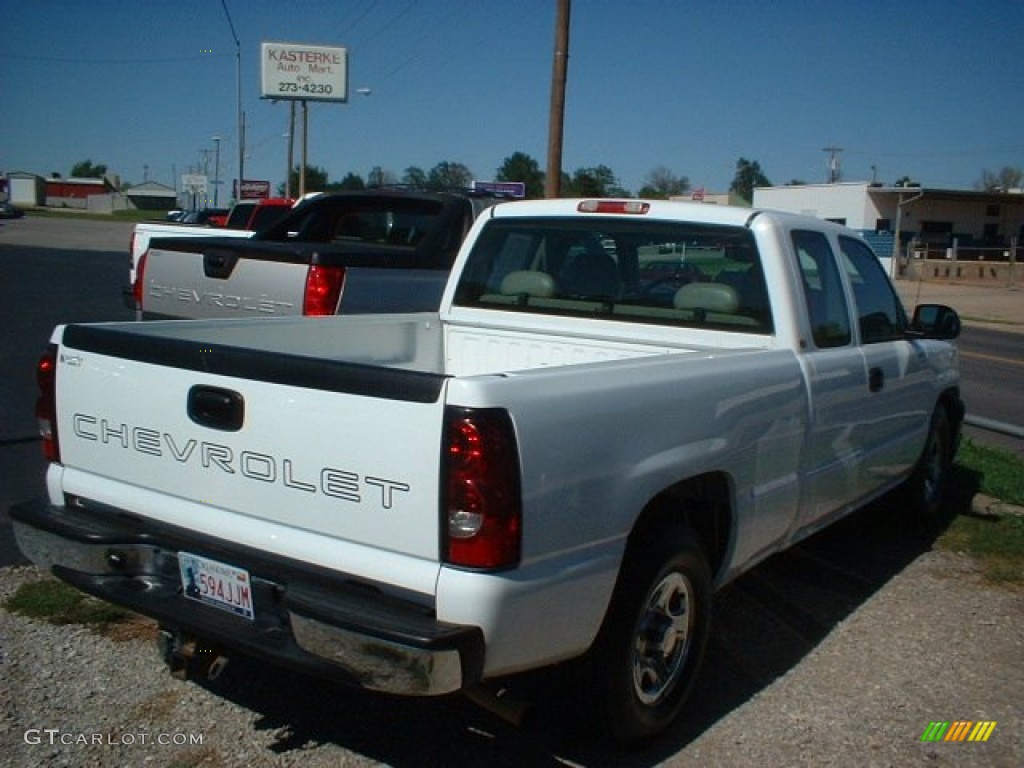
(449, 175)
(316, 180)
(380, 177)
(415, 177)
(748, 175)
(598, 181)
(86, 170)
(351, 181)
(1005, 179)
(661, 183)
(521, 167)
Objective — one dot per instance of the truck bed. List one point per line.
(419, 343)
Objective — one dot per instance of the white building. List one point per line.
(923, 219)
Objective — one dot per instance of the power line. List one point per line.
(88, 60)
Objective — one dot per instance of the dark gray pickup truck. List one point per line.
(387, 250)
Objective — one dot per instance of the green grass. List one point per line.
(60, 603)
(1000, 472)
(997, 543)
(995, 540)
(67, 213)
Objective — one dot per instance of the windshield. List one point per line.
(660, 272)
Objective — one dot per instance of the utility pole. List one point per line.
(560, 68)
(238, 99)
(291, 149)
(834, 172)
(305, 145)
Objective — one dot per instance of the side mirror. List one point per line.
(934, 321)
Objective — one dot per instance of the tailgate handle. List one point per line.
(219, 264)
(216, 408)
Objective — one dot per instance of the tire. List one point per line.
(925, 490)
(653, 638)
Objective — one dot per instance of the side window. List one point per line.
(823, 290)
(880, 315)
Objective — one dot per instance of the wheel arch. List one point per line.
(955, 409)
(703, 503)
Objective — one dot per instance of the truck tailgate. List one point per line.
(274, 443)
(206, 280)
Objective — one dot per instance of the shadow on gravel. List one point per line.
(765, 623)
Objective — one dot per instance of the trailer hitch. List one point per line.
(188, 656)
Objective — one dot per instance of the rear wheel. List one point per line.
(653, 638)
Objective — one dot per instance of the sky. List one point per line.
(930, 89)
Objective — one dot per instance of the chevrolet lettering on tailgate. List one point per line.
(253, 465)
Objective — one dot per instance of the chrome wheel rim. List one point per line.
(662, 639)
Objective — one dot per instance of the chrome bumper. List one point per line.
(306, 617)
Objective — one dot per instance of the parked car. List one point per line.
(209, 216)
(10, 211)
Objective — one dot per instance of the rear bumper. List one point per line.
(308, 618)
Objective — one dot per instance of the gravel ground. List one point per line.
(840, 652)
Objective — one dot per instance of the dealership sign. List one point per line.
(507, 188)
(252, 190)
(304, 72)
(194, 183)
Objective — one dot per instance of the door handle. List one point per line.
(876, 379)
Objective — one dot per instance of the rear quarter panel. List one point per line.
(597, 443)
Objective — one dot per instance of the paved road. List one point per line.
(76, 277)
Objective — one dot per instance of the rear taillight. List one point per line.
(140, 280)
(482, 508)
(323, 289)
(46, 404)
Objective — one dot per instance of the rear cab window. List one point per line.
(880, 314)
(661, 272)
(827, 310)
(363, 221)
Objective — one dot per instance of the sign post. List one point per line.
(194, 184)
(297, 72)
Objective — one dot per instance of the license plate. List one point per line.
(218, 584)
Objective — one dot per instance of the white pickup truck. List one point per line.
(620, 406)
(244, 219)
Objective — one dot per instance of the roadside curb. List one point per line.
(989, 506)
